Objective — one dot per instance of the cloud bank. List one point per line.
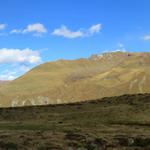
(18, 61)
(7, 76)
(25, 56)
(38, 29)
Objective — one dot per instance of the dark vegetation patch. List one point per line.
(8, 146)
(109, 123)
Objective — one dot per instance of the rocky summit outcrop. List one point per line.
(64, 81)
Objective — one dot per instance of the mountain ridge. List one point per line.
(63, 81)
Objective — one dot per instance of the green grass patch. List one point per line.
(27, 127)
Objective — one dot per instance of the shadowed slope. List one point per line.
(114, 123)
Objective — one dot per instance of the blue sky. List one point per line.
(37, 31)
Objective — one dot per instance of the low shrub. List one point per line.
(11, 146)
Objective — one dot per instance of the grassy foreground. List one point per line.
(116, 123)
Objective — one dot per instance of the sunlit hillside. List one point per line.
(63, 81)
(2, 83)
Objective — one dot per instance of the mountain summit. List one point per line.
(64, 81)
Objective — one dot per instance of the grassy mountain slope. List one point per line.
(108, 74)
(115, 123)
(2, 83)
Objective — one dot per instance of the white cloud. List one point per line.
(147, 37)
(95, 28)
(17, 56)
(8, 76)
(16, 62)
(15, 31)
(2, 26)
(35, 28)
(63, 31)
(120, 45)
